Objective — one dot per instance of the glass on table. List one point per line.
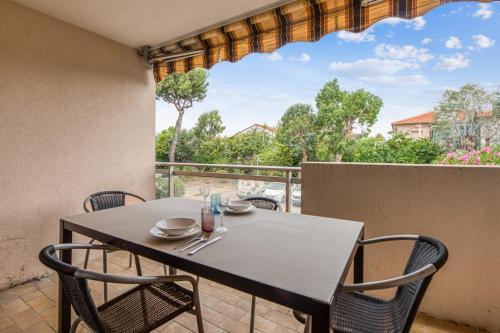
(204, 192)
(207, 219)
(218, 207)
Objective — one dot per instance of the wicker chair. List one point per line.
(107, 200)
(262, 203)
(357, 312)
(156, 299)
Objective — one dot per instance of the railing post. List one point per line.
(288, 190)
(171, 181)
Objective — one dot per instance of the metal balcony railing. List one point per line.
(281, 174)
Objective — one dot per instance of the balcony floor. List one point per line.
(31, 307)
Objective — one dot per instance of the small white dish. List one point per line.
(239, 212)
(239, 205)
(176, 226)
(159, 234)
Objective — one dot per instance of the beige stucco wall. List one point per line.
(415, 131)
(458, 205)
(76, 116)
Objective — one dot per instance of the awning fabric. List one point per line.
(299, 21)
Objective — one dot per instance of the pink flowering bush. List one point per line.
(484, 156)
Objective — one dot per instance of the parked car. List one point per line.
(275, 191)
(296, 195)
(249, 188)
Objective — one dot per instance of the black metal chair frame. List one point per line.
(94, 205)
(420, 279)
(255, 201)
(74, 282)
(277, 207)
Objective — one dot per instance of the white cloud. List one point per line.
(426, 41)
(275, 56)
(453, 43)
(389, 34)
(483, 42)
(304, 57)
(452, 62)
(418, 23)
(372, 67)
(484, 11)
(405, 52)
(358, 37)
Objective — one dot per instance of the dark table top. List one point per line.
(299, 255)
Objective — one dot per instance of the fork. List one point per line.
(205, 237)
(197, 237)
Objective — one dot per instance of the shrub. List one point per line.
(483, 156)
(161, 187)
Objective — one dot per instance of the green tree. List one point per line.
(463, 115)
(244, 148)
(398, 149)
(185, 145)
(209, 125)
(182, 90)
(296, 130)
(277, 154)
(340, 111)
(213, 151)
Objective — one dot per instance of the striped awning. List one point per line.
(299, 21)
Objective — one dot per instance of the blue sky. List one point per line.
(407, 63)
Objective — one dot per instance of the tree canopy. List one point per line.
(340, 111)
(182, 90)
(463, 115)
(296, 131)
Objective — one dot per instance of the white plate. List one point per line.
(239, 212)
(159, 234)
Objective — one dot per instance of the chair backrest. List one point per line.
(76, 289)
(107, 199)
(264, 203)
(408, 297)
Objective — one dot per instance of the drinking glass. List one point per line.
(219, 209)
(205, 192)
(207, 219)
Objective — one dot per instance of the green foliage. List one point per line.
(399, 149)
(339, 111)
(296, 131)
(181, 90)
(185, 146)
(243, 148)
(463, 115)
(161, 186)
(277, 154)
(209, 125)
(212, 151)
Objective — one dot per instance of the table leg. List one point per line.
(64, 307)
(172, 270)
(359, 259)
(321, 318)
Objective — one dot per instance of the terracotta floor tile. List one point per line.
(26, 319)
(32, 307)
(15, 306)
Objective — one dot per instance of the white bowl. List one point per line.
(176, 226)
(239, 205)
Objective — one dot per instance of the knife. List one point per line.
(204, 245)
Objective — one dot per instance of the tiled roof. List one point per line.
(424, 118)
(263, 126)
(428, 118)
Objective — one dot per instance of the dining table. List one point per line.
(295, 260)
